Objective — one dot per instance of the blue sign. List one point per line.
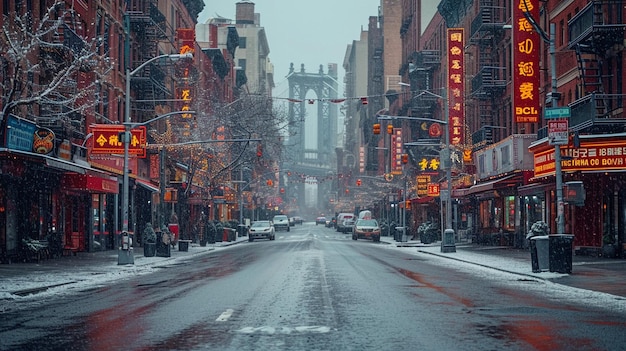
(20, 134)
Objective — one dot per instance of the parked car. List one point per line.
(340, 220)
(331, 223)
(366, 229)
(261, 230)
(320, 220)
(281, 222)
(347, 226)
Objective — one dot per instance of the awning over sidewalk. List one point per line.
(147, 185)
(487, 186)
(89, 183)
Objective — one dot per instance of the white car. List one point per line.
(281, 222)
(261, 230)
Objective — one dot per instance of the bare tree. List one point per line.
(47, 69)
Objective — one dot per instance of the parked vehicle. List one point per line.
(366, 229)
(340, 221)
(347, 226)
(261, 230)
(320, 220)
(298, 220)
(281, 222)
(331, 223)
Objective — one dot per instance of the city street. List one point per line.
(316, 289)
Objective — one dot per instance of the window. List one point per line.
(505, 152)
(242, 42)
(242, 63)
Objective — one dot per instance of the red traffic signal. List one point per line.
(259, 150)
(405, 158)
(270, 182)
(358, 182)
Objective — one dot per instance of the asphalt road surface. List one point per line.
(314, 289)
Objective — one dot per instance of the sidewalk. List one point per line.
(607, 275)
(86, 269)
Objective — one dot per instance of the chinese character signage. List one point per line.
(590, 156)
(422, 182)
(396, 151)
(525, 63)
(187, 38)
(106, 140)
(456, 85)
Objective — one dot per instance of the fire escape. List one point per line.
(596, 34)
(421, 68)
(489, 82)
(148, 26)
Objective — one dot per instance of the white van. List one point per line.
(343, 217)
(365, 214)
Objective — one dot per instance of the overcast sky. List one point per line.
(303, 31)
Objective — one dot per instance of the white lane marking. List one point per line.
(225, 315)
(313, 329)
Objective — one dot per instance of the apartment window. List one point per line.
(242, 63)
(242, 42)
(505, 152)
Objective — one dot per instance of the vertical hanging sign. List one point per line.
(187, 38)
(397, 147)
(456, 85)
(525, 62)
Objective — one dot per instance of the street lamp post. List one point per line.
(447, 242)
(127, 135)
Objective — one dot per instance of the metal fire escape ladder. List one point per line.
(149, 28)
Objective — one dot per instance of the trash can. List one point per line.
(560, 253)
(539, 253)
(163, 247)
(230, 234)
(149, 249)
(242, 230)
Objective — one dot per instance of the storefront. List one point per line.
(599, 223)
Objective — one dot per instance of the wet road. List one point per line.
(315, 289)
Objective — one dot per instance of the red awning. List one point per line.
(88, 183)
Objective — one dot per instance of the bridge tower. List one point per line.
(320, 162)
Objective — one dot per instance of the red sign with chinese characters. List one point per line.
(106, 140)
(590, 156)
(456, 85)
(525, 63)
(186, 92)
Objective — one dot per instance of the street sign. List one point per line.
(557, 112)
(558, 132)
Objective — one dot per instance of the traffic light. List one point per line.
(389, 129)
(270, 182)
(358, 182)
(259, 150)
(405, 158)
(377, 128)
(407, 204)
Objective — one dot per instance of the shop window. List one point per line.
(509, 213)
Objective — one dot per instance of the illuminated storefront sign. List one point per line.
(106, 140)
(422, 182)
(396, 150)
(525, 63)
(590, 156)
(456, 85)
(186, 92)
